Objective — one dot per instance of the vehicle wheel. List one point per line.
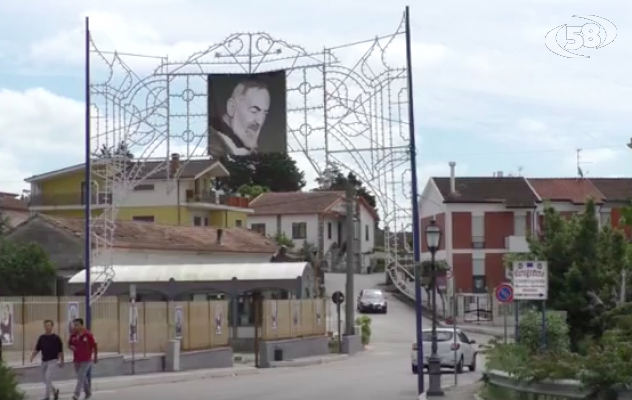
(385, 311)
(472, 366)
(415, 369)
(459, 366)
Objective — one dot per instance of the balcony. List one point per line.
(210, 197)
(516, 244)
(76, 199)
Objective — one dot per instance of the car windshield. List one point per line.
(372, 296)
(442, 336)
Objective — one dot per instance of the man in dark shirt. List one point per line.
(51, 347)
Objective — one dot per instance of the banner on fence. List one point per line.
(179, 319)
(218, 319)
(6, 323)
(274, 314)
(72, 313)
(133, 322)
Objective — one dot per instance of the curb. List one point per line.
(128, 381)
(307, 363)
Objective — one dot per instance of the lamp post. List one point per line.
(433, 239)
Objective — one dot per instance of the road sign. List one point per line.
(504, 293)
(530, 280)
(449, 274)
(338, 297)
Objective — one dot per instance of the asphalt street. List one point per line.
(381, 372)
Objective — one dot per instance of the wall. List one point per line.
(141, 257)
(366, 219)
(334, 232)
(431, 201)
(269, 220)
(164, 194)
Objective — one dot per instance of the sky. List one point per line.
(488, 93)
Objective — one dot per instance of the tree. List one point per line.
(25, 269)
(252, 191)
(276, 171)
(584, 265)
(9, 389)
(122, 149)
(5, 224)
(334, 179)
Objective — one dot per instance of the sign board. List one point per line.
(504, 293)
(442, 282)
(449, 274)
(530, 280)
(338, 297)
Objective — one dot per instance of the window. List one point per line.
(238, 223)
(605, 218)
(143, 218)
(478, 232)
(478, 267)
(328, 230)
(366, 233)
(206, 221)
(140, 188)
(479, 284)
(520, 225)
(299, 230)
(259, 228)
(197, 221)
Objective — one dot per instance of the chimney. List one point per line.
(175, 163)
(452, 177)
(220, 232)
(499, 174)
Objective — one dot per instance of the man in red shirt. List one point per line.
(84, 349)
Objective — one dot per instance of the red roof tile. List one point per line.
(573, 190)
(295, 202)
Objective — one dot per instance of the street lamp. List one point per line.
(433, 239)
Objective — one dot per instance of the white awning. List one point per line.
(198, 272)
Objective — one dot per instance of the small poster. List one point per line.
(296, 313)
(72, 313)
(179, 321)
(218, 318)
(319, 306)
(274, 312)
(133, 322)
(6, 323)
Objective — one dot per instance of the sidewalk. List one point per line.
(126, 381)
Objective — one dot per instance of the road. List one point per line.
(381, 372)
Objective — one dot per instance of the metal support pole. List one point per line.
(434, 363)
(349, 305)
(456, 373)
(543, 325)
(415, 205)
(88, 179)
(517, 321)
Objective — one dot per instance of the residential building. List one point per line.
(318, 218)
(141, 243)
(184, 198)
(14, 208)
(484, 218)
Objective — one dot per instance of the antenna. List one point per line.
(520, 169)
(580, 172)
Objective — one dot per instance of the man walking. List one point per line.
(51, 347)
(84, 349)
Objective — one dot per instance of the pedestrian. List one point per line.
(84, 351)
(52, 350)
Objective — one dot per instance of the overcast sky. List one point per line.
(489, 94)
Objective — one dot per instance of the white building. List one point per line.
(317, 218)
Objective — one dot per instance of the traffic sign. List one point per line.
(530, 280)
(338, 297)
(449, 274)
(504, 293)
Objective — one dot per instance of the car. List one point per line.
(455, 351)
(372, 301)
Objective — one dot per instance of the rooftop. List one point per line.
(151, 236)
(511, 191)
(573, 190)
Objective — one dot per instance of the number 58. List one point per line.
(582, 36)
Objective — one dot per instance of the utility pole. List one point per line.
(349, 295)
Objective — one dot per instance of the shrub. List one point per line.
(364, 323)
(8, 384)
(530, 332)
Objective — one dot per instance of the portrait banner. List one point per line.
(247, 114)
(133, 322)
(319, 311)
(274, 314)
(72, 313)
(219, 313)
(179, 321)
(7, 321)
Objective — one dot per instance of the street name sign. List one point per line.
(530, 280)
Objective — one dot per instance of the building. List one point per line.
(141, 243)
(484, 218)
(183, 199)
(317, 218)
(13, 207)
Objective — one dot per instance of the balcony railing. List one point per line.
(210, 197)
(68, 199)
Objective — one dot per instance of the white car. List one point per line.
(453, 353)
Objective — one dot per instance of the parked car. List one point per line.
(453, 353)
(372, 301)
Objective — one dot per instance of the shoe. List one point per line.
(75, 397)
(56, 394)
(88, 395)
